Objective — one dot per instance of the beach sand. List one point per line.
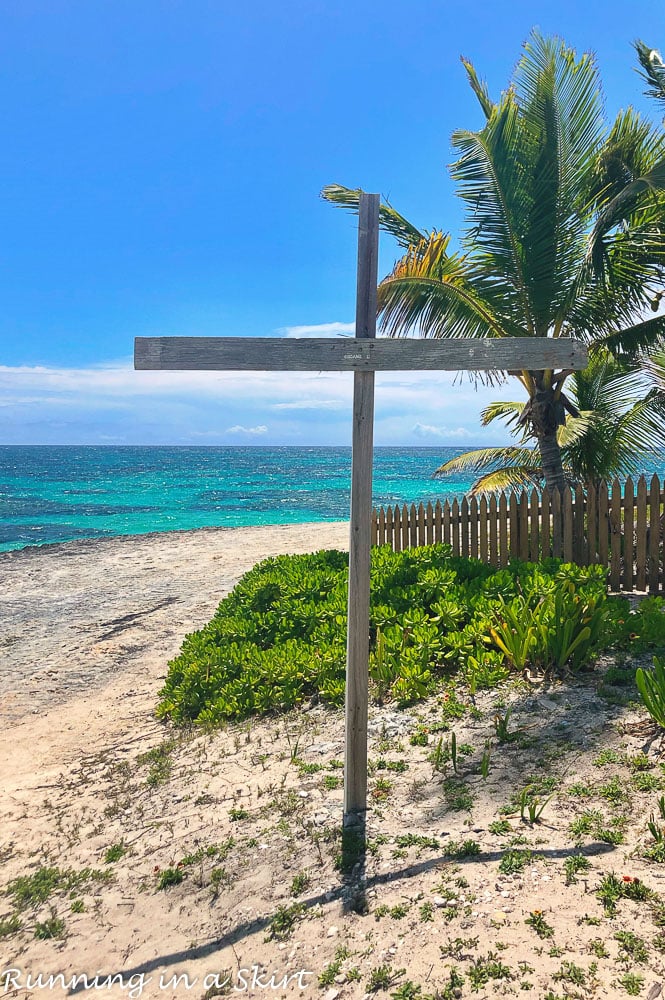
(87, 631)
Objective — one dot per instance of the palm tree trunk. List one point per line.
(546, 415)
(550, 457)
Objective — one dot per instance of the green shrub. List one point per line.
(280, 636)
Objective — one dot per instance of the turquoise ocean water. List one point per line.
(56, 494)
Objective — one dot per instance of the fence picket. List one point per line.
(615, 536)
(628, 529)
(482, 515)
(446, 523)
(413, 526)
(641, 545)
(523, 526)
(545, 537)
(557, 534)
(398, 530)
(567, 524)
(503, 530)
(464, 526)
(534, 548)
(421, 526)
(592, 521)
(429, 524)
(579, 540)
(603, 524)
(438, 515)
(454, 523)
(513, 530)
(473, 528)
(654, 534)
(390, 529)
(494, 541)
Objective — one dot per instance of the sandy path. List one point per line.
(87, 629)
(75, 616)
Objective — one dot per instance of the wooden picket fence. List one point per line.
(615, 525)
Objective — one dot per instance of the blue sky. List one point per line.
(160, 173)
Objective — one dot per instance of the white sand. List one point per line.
(87, 631)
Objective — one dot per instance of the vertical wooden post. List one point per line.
(357, 643)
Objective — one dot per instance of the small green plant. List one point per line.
(417, 840)
(327, 977)
(463, 849)
(514, 860)
(282, 924)
(482, 969)
(31, 890)
(54, 927)
(500, 827)
(531, 806)
(537, 920)
(300, 883)
(485, 760)
(426, 912)
(644, 782)
(612, 888)
(169, 877)
(78, 906)
(160, 764)
(408, 991)
(382, 789)
(383, 977)
(597, 948)
(573, 865)
(503, 734)
(607, 756)
(114, 853)
(570, 973)
(632, 983)
(237, 813)
(458, 795)
(633, 948)
(9, 926)
(651, 685)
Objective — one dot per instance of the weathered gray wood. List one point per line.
(354, 354)
(357, 647)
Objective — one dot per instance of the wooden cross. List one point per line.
(363, 355)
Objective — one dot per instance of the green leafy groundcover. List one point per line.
(280, 635)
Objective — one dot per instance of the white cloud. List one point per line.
(239, 429)
(429, 430)
(311, 404)
(319, 330)
(82, 404)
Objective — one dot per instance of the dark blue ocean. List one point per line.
(56, 494)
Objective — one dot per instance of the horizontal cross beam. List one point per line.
(354, 354)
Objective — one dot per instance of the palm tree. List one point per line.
(564, 237)
(619, 424)
(653, 71)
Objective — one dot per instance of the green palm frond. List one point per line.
(479, 87)
(389, 219)
(490, 458)
(429, 291)
(634, 339)
(653, 70)
(509, 477)
(574, 429)
(501, 410)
